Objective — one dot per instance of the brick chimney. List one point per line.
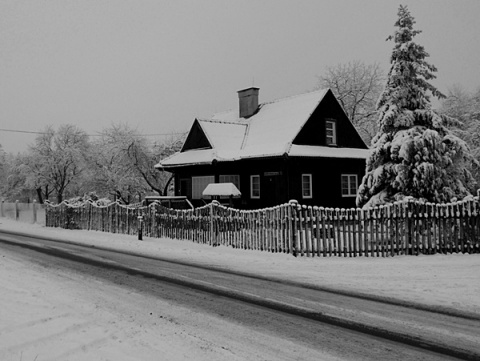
(248, 101)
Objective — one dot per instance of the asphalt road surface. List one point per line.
(252, 317)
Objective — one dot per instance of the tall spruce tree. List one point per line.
(413, 153)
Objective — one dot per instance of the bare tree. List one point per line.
(17, 182)
(119, 164)
(144, 157)
(357, 87)
(123, 163)
(56, 159)
(465, 107)
(111, 172)
(12, 178)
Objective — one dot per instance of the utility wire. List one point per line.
(144, 135)
(95, 135)
(21, 131)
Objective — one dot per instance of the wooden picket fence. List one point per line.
(400, 228)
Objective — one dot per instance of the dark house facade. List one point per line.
(302, 147)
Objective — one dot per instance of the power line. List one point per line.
(21, 131)
(144, 135)
(96, 135)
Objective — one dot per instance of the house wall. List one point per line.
(273, 184)
(326, 180)
(280, 180)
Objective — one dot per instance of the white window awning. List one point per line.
(222, 190)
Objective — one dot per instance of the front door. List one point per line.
(273, 189)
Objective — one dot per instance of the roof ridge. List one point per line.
(295, 96)
(219, 114)
(222, 121)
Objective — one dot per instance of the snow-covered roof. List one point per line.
(277, 123)
(224, 135)
(190, 157)
(267, 133)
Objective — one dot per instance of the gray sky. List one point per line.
(157, 65)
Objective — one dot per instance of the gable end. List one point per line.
(196, 138)
(314, 132)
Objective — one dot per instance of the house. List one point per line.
(302, 147)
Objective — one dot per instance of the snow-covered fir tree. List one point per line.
(414, 153)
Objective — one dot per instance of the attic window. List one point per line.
(331, 132)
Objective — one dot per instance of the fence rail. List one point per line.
(401, 228)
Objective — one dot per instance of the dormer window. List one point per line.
(331, 132)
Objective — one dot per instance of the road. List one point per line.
(250, 317)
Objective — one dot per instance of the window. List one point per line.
(331, 132)
(199, 184)
(254, 186)
(231, 178)
(306, 186)
(349, 185)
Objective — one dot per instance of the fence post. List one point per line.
(140, 227)
(210, 208)
(34, 211)
(212, 225)
(1, 208)
(17, 212)
(47, 216)
(409, 224)
(294, 216)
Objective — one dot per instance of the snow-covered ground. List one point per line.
(44, 312)
(437, 280)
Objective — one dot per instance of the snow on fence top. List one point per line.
(406, 201)
(400, 228)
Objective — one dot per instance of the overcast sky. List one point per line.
(157, 65)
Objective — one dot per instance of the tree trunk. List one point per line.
(59, 197)
(39, 195)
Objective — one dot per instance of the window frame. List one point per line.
(333, 137)
(349, 185)
(310, 186)
(252, 177)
